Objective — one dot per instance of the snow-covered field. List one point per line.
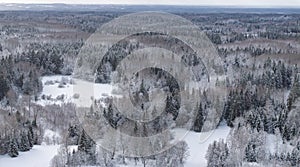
(58, 89)
(198, 144)
(56, 86)
(38, 156)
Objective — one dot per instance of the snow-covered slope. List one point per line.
(198, 144)
(39, 156)
(55, 86)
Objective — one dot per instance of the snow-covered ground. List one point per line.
(274, 144)
(38, 156)
(51, 137)
(80, 92)
(58, 89)
(198, 143)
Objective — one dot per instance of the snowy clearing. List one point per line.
(39, 156)
(58, 89)
(198, 143)
(81, 92)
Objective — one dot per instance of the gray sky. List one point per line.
(292, 3)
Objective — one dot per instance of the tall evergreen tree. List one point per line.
(24, 144)
(250, 153)
(3, 86)
(294, 93)
(217, 154)
(87, 147)
(199, 121)
(13, 148)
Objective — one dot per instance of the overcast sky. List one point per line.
(292, 3)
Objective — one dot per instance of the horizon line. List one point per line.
(183, 5)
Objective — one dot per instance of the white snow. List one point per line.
(38, 156)
(51, 134)
(198, 143)
(51, 137)
(84, 90)
(275, 144)
(72, 148)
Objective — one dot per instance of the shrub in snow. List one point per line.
(67, 70)
(76, 96)
(60, 97)
(63, 82)
(61, 85)
(49, 82)
(43, 97)
(48, 97)
(72, 82)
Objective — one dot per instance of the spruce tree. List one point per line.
(250, 153)
(171, 106)
(3, 86)
(13, 148)
(294, 93)
(217, 154)
(87, 147)
(24, 144)
(30, 137)
(295, 157)
(199, 120)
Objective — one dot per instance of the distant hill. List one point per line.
(137, 8)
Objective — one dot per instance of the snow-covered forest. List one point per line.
(60, 108)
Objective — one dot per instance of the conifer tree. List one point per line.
(199, 121)
(13, 148)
